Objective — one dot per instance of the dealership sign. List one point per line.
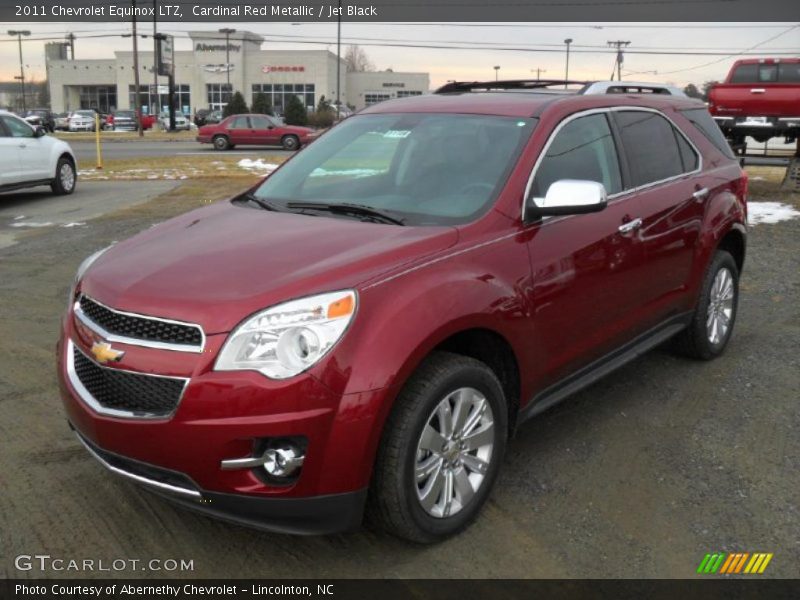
(223, 68)
(282, 69)
(217, 47)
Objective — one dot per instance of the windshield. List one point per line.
(126, 114)
(425, 169)
(85, 113)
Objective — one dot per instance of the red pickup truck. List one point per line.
(760, 98)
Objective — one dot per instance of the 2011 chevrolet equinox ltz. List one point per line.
(363, 330)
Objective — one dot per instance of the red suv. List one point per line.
(367, 327)
(254, 130)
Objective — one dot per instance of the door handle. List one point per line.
(701, 194)
(630, 226)
(758, 91)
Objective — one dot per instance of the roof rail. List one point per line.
(508, 84)
(630, 87)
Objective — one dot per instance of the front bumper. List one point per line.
(318, 515)
(223, 416)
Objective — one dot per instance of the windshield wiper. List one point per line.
(265, 204)
(345, 208)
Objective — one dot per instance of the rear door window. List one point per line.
(583, 149)
(239, 123)
(651, 146)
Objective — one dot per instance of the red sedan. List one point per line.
(254, 130)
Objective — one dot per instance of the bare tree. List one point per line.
(356, 59)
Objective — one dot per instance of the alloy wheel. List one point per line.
(67, 177)
(720, 306)
(454, 452)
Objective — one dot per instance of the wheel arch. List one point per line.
(735, 243)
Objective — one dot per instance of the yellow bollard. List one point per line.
(97, 140)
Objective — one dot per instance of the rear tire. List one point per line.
(65, 179)
(290, 142)
(221, 143)
(715, 314)
(431, 479)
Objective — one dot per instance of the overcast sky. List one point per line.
(590, 62)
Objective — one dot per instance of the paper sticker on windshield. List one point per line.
(397, 133)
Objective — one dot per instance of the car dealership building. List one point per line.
(202, 75)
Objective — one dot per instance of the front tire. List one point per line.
(715, 314)
(441, 450)
(64, 182)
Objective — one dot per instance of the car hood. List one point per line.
(216, 265)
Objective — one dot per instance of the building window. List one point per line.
(371, 98)
(101, 97)
(151, 100)
(218, 95)
(279, 94)
(407, 93)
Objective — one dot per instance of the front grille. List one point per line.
(136, 393)
(140, 327)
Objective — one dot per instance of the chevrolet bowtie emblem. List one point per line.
(104, 353)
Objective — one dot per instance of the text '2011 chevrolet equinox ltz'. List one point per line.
(362, 331)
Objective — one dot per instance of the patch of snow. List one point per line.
(19, 218)
(770, 212)
(256, 165)
(31, 224)
(75, 224)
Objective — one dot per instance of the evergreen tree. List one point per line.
(295, 113)
(261, 104)
(236, 106)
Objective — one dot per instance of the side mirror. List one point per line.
(40, 132)
(570, 197)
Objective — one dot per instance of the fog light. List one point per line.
(282, 462)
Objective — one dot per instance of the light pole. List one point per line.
(338, 61)
(539, 72)
(155, 106)
(228, 31)
(567, 41)
(19, 35)
(496, 72)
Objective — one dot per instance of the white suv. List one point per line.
(29, 157)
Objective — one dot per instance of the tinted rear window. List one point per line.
(650, 145)
(709, 128)
(767, 73)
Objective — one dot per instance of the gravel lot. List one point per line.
(638, 476)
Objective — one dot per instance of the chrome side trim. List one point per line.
(138, 478)
(92, 403)
(609, 109)
(112, 337)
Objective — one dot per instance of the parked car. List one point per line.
(83, 120)
(369, 325)
(254, 130)
(759, 98)
(41, 117)
(31, 158)
(206, 116)
(181, 122)
(62, 121)
(124, 120)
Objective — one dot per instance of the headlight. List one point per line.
(287, 339)
(82, 268)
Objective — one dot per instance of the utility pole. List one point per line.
(339, 61)
(21, 77)
(538, 71)
(567, 41)
(619, 45)
(496, 72)
(228, 31)
(71, 42)
(156, 106)
(137, 100)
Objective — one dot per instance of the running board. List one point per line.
(598, 369)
